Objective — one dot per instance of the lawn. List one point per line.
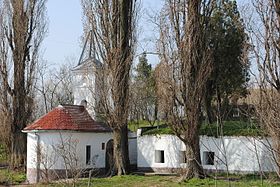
(230, 128)
(8, 177)
(171, 181)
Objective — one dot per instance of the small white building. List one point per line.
(67, 139)
(165, 153)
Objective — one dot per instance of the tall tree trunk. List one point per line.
(18, 139)
(20, 58)
(24, 29)
(113, 26)
(192, 68)
(120, 138)
(18, 150)
(194, 167)
(121, 95)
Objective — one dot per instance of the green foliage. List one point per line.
(230, 74)
(3, 155)
(230, 128)
(155, 131)
(11, 177)
(143, 95)
(143, 68)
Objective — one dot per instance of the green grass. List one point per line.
(11, 177)
(230, 128)
(155, 131)
(3, 155)
(171, 181)
(134, 125)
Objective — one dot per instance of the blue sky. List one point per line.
(65, 30)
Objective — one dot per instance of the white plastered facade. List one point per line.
(240, 154)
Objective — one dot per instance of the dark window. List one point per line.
(159, 156)
(208, 158)
(103, 146)
(88, 154)
(183, 158)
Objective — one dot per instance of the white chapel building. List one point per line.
(70, 136)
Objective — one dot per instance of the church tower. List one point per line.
(85, 76)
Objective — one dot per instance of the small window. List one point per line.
(159, 156)
(236, 113)
(103, 146)
(84, 103)
(183, 158)
(208, 158)
(88, 154)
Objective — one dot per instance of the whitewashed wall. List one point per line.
(244, 154)
(132, 147)
(50, 139)
(85, 89)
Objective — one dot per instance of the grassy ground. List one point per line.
(230, 128)
(8, 177)
(171, 181)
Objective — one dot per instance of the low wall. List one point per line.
(240, 154)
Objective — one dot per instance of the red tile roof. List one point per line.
(68, 117)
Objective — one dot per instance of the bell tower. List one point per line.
(84, 76)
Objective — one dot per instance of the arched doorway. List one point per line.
(109, 157)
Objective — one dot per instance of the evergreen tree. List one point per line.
(144, 90)
(230, 74)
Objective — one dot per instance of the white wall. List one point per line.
(241, 152)
(147, 145)
(132, 147)
(50, 139)
(85, 89)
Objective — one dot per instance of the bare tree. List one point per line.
(265, 39)
(67, 150)
(113, 26)
(53, 87)
(186, 55)
(45, 161)
(64, 151)
(23, 27)
(5, 109)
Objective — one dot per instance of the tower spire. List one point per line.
(90, 52)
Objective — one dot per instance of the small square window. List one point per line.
(208, 158)
(183, 158)
(103, 146)
(236, 113)
(159, 156)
